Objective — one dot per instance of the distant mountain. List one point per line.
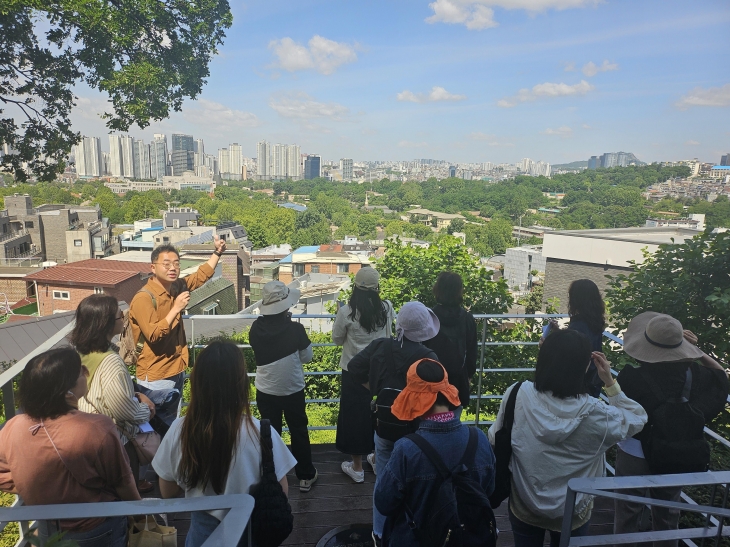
(571, 165)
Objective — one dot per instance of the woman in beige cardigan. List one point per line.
(111, 391)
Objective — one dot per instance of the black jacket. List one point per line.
(273, 337)
(385, 363)
(709, 387)
(592, 380)
(456, 345)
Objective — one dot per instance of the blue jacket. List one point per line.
(410, 477)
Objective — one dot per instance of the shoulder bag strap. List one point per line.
(267, 447)
(141, 339)
(471, 449)
(687, 389)
(431, 454)
(509, 411)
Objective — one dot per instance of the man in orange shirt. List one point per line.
(155, 316)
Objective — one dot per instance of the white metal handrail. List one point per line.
(229, 532)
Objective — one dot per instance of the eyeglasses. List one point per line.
(120, 316)
(169, 265)
(84, 371)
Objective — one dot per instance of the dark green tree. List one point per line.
(148, 56)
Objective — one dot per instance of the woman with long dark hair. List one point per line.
(456, 341)
(588, 316)
(364, 319)
(53, 453)
(215, 449)
(111, 391)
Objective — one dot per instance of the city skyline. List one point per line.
(463, 80)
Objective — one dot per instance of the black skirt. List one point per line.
(354, 423)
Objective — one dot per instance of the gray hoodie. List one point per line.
(555, 440)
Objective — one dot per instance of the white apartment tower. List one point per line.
(199, 150)
(224, 161)
(88, 157)
(346, 168)
(127, 146)
(142, 160)
(236, 155)
(116, 163)
(262, 158)
(158, 157)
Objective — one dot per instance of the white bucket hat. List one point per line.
(654, 337)
(277, 298)
(416, 322)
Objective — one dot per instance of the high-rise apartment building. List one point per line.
(116, 164)
(224, 161)
(452, 171)
(127, 145)
(725, 160)
(182, 142)
(199, 149)
(312, 167)
(293, 162)
(263, 151)
(346, 168)
(211, 162)
(88, 156)
(158, 157)
(142, 160)
(236, 154)
(183, 153)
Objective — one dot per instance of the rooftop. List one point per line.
(100, 273)
(650, 236)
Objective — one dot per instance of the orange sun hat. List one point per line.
(419, 395)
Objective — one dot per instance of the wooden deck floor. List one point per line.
(335, 500)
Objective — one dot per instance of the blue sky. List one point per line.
(464, 80)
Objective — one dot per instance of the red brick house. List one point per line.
(62, 287)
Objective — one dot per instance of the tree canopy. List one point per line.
(148, 56)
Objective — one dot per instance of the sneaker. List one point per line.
(371, 461)
(305, 485)
(377, 541)
(357, 476)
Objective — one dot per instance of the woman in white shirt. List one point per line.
(215, 449)
(364, 319)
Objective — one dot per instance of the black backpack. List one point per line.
(459, 514)
(503, 452)
(673, 440)
(271, 520)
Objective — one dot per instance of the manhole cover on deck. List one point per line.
(352, 535)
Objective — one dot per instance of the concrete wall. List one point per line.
(287, 275)
(559, 274)
(519, 262)
(76, 253)
(55, 224)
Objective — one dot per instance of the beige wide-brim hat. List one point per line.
(654, 337)
(277, 298)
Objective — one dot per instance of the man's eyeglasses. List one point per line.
(170, 265)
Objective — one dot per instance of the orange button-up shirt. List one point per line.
(165, 352)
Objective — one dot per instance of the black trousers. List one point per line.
(293, 407)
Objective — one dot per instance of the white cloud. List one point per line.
(488, 139)
(479, 15)
(436, 94)
(563, 131)
(320, 54)
(210, 113)
(713, 96)
(546, 90)
(409, 144)
(692, 143)
(586, 126)
(304, 107)
(569, 67)
(591, 69)
(92, 108)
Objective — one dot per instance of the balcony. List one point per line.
(336, 501)
(13, 235)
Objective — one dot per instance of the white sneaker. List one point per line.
(306, 485)
(371, 461)
(357, 476)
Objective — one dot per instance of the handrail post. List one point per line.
(567, 517)
(8, 400)
(481, 371)
(192, 338)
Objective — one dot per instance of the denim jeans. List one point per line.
(383, 451)
(526, 535)
(202, 525)
(111, 533)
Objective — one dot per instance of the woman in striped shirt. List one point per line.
(111, 391)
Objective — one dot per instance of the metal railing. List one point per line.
(229, 532)
(13, 235)
(610, 488)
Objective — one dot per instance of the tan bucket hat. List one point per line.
(277, 298)
(654, 337)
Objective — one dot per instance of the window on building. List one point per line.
(98, 290)
(28, 224)
(298, 270)
(78, 243)
(315, 268)
(61, 295)
(210, 309)
(343, 268)
(166, 239)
